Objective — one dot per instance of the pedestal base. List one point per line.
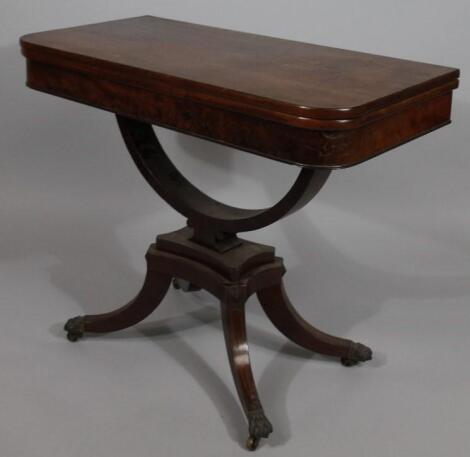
(232, 276)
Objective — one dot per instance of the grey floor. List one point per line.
(381, 256)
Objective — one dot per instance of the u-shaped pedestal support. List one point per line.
(208, 254)
(215, 224)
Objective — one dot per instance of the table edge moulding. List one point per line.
(329, 135)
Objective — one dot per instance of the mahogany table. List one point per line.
(315, 107)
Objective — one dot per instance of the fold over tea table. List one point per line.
(314, 107)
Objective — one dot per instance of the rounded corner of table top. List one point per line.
(26, 40)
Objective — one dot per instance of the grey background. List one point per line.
(382, 255)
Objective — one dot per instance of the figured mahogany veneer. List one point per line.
(310, 105)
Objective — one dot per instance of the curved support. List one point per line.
(201, 210)
(152, 293)
(287, 320)
(233, 319)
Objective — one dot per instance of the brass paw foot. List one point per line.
(357, 353)
(75, 328)
(258, 427)
(185, 286)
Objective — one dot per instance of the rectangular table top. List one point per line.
(200, 75)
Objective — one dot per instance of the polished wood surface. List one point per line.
(286, 76)
(253, 269)
(308, 105)
(150, 296)
(207, 254)
(287, 320)
(300, 103)
(205, 214)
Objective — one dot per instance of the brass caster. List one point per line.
(357, 353)
(73, 337)
(252, 443)
(75, 328)
(185, 286)
(258, 427)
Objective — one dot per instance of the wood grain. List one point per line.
(300, 103)
(281, 75)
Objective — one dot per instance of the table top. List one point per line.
(292, 83)
(287, 76)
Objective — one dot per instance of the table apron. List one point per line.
(299, 146)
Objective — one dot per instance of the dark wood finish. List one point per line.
(309, 105)
(232, 265)
(300, 103)
(230, 271)
(253, 268)
(233, 320)
(281, 76)
(249, 272)
(153, 291)
(210, 218)
(287, 320)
